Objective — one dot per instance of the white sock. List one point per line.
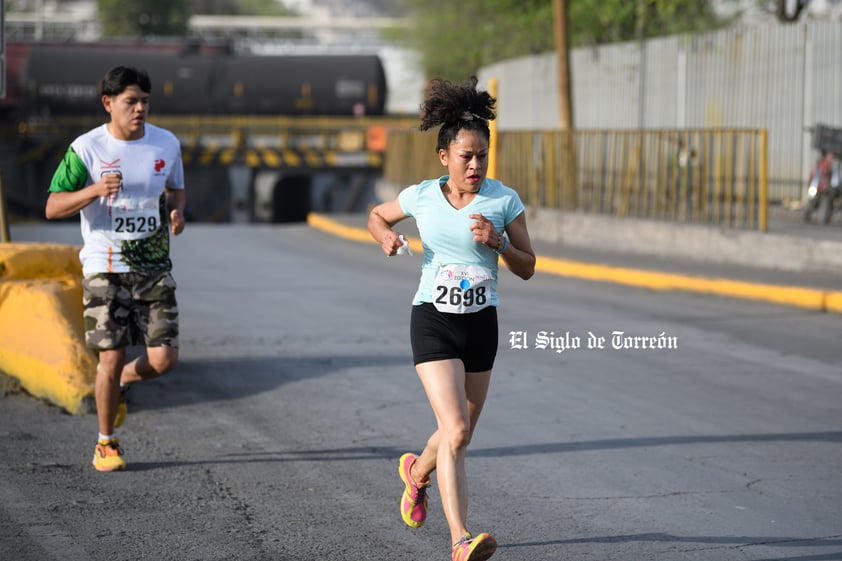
(106, 437)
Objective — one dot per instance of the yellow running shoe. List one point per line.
(477, 548)
(108, 456)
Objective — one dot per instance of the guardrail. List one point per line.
(705, 176)
(255, 141)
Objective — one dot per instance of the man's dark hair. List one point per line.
(121, 77)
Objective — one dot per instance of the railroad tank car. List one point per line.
(63, 80)
(331, 85)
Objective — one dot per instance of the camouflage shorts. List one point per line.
(124, 309)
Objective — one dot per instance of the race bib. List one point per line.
(134, 219)
(462, 289)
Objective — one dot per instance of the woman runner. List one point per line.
(464, 219)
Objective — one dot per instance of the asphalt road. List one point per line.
(277, 436)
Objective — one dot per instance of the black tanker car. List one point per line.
(56, 80)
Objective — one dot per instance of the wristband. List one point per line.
(504, 246)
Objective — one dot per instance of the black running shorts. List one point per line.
(471, 338)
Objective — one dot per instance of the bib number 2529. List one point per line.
(134, 219)
(135, 224)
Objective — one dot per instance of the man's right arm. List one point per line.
(68, 190)
(61, 204)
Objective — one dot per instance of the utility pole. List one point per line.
(568, 198)
(563, 61)
(4, 223)
(2, 49)
(640, 32)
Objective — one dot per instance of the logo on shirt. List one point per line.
(109, 165)
(159, 165)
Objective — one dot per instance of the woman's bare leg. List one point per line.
(457, 399)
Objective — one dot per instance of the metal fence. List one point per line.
(784, 79)
(704, 176)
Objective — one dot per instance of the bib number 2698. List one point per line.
(458, 296)
(462, 289)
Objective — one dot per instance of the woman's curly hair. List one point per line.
(456, 107)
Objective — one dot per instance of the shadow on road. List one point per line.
(201, 381)
(735, 541)
(645, 442)
(267, 457)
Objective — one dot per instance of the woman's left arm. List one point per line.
(518, 254)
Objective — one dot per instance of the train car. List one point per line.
(63, 80)
(58, 81)
(261, 169)
(16, 54)
(327, 85)
(18, 100)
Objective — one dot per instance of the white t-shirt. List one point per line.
(129, 231)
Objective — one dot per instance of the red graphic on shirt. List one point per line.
(159, 165)
(110, 165)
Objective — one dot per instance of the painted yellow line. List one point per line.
(802, 297)
(834, 302)
(352, 233)
(789, 295)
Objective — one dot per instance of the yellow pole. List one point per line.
(4, 222)
(764, 183)
(492, 126)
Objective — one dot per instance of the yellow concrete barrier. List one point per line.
(41, 327)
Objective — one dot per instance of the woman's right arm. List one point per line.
(380, 222)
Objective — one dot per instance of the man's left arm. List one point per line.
(176, 201)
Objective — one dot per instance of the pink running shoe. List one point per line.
(414, 498)
(477, 548)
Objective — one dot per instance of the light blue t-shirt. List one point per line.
(446, 232)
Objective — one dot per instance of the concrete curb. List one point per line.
(705, 244)
(41, 327)
(802, 297)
